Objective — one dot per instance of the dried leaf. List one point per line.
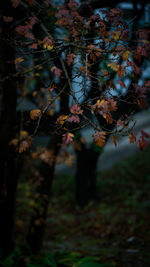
(74, 118)
(67, 138)
(61, 119)
(18, 60)
(75, 109)
(23, 134)
(126, 55)
(100, 138)
(35, 113)
(132, 138)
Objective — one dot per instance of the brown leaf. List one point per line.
(35, 113)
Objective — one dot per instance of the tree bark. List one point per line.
(43, 191)
(85, 178)
(8, 159)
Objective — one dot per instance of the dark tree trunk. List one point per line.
(85, 178)
(37, 223)
(8, 157)
(8, 170)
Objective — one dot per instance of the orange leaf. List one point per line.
(18, 60)
(61, 119)
(23, 134)
(35, 113)
(132, 138)
(100, 138)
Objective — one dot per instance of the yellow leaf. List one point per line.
(23, 134)
(126, 55)
(115, 35)
(114, 66)
(61, 119)
(50, 47)
(18, 60)
(35, 113)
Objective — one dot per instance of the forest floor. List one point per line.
(115, 228)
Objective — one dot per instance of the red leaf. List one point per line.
(142, 143)
(74, 118)
(75, 109)
(67, 138)
(144, 134)
(70, 58)
(34, 46)
(56, 71)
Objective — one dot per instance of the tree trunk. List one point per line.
(37, 223)
(8, 157)
(85, 178)
(8, 170)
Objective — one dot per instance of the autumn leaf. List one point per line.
(114, 66)
(70, 58)
(132, 138)
(82, 69)
(56, 71)
(145, 134)
(121, 71)
(25, 144)
(105, 73)
(23, 134)
(74, 118)
(61, 119)
(100, 138)
(67, 138)
(75, 109)
(115, 35)
(108, 117)
(112, 105)
(47, 156)
(35, 113)
(142, 143)
(126, 55)
(18, 60)
(34, 46)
